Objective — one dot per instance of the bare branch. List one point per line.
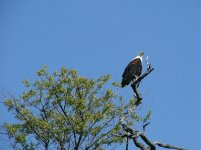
(127, 143)
(138, 144)
(134, 85)
(168, 146)
(145, 125)
(149, 70)
(147, 141)
(137, 95)
(133, 134)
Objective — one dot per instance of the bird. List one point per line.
(133, 70)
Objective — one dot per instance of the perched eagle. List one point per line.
(133, 70)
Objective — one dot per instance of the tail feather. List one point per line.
(124, 82)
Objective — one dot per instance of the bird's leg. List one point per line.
(132, 81)
(136, 77)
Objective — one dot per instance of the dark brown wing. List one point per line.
(132, 69)
(139, 68)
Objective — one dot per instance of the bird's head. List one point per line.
(140, 53)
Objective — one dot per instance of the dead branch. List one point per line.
(138, 144)
(145, 125)
(147, 141)
(134, 135)
(134, 86)
(149, 70)
(168, 146)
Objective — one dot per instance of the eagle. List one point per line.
(133, 70)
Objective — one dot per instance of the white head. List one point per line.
(140, 55)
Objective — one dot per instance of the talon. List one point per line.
(136, 77)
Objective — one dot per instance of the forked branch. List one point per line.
(134, 135)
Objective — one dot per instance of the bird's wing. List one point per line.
(132, 68)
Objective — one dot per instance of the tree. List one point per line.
(66, 111)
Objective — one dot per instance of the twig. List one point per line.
(145, 125)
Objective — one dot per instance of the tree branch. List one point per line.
(147, 141)
(138, 144)
(168, 146)
(145, 125)
(149, 70)
(127, 143)
(134, 135)
(136, 82)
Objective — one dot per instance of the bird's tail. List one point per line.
(124, 83)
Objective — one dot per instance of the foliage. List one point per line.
(67, 111)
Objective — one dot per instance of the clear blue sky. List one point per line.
(97, 37)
